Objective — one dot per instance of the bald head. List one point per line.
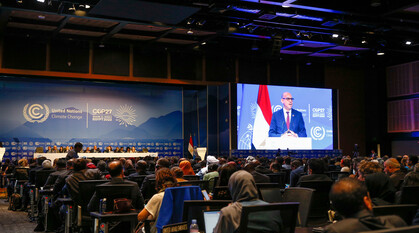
(115, 168)
(348, 196)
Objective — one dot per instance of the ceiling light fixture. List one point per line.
(364, 41)
(335, 35)
(408, 42)
(380, 53)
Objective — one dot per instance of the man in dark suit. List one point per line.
(73, 154)
(117, 177)
(350, 198)
(287, 120)
(297, 171)
(315, 170)
(95, 150)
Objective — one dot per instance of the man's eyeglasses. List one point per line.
(289, 99)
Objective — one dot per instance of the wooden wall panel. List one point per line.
(399, 116)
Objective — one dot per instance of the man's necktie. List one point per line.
(288, 120)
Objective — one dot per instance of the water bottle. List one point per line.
(194, 227)
(102, 207)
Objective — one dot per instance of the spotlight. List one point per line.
(204, 43)
(189, 32)
(408, 42)
(19, 1)
(41, 1)
(87, 6)
(335, 35)
(364, 41)
(380, 53)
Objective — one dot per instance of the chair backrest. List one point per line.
(278, 178)
(411, 229)
(337, 175)
(288, 213)
(287, 175)
(203, 184)
(304, 197)
(320, 203)
(151, 189)
(87, 189)
(22, 173)
(221, 193)
(406, 212)
(191, 177)
(194, 210)
(409, 195)
(113, 191)
(211, 183)
(172, 204)
(138, 179)
(41, 177)
(269, 192)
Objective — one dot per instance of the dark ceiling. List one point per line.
(292, 28)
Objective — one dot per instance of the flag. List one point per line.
(262, 119)
(190, 146)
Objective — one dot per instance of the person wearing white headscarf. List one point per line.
(210, 160)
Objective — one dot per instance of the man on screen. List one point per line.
(287, 121)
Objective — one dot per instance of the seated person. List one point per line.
(178, 174)
(164, 179)
(350, 198)
(141, 169)
(186, 168)
(117, 173)
(243, 190)
(259, 177)
(380, 188)
(315, 172)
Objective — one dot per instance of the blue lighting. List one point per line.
(251, 11)
(250, 35)
(297, 6)
(307, 17)
(284, 14)
(415, 134)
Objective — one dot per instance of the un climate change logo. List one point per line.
(36, 113)
(317, 133)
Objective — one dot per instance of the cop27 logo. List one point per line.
(317, 133)
(36, 113)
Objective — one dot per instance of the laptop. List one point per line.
(210, 220)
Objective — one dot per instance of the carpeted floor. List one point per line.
(14, 221)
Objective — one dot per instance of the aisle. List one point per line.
(14, 221)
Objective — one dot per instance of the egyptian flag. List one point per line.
(190, 146)
(262, 119)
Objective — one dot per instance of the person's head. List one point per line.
(242, 187)
(349, 196)
(47, 164)
(177, 172)
(186, 167)
(287, 160)
(212, 167)
(61, 163)
(80, 164)
(162, 163)
(40, 160)
(55, 147)
(115, 168)
(102, 166)
(366, 168)
(316, 166)
(391, 165)
(413, 160)
(276, 167)
(345, 162)
(287, 100)
(22, 162)
(94, 147)
(380, 186)
(279, 160)
(141, 166)
(78, 147)
(70, 164)
(296, 164)
(225, 172)
(164, 179)
(49, 147)
(412, 178)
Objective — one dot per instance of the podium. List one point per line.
(292, 143)
(2, 150)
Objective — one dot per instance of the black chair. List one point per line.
(269, 192)
(411, 229)
(337, 175)
(304, 197)
(320, 203)
(278, 178)
(194, 210)
(409, 195)
(288, 213)
(221, 193)
(212, 183)
(113, 191)
(203, 184)
(406, 212)
(191, 177)
(138, 179)
(151, 190)
(287, 175)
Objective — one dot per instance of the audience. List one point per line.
(297, 171)
(178, 174)
(392, 168)
(316, 169)
(350, 198)
(243, 190)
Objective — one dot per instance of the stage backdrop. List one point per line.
(39, 113)
(315, 104)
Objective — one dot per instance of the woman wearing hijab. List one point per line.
(243, 190)
(381, 189)
(186, 168)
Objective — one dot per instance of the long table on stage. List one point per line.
(53, 156)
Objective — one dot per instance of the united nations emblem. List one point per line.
(36, 113)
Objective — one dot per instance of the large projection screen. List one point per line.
(262, 123)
